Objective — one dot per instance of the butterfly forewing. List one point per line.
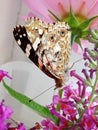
(47, 45)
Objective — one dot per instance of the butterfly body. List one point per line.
(47, 45)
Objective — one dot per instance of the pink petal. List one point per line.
(77, 47)
(23, 17)
(93, 8)
(94, 24)
(76, 5)
(93, 11)
(58, 7)
(61, 8)
(38, 9)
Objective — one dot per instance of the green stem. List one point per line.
(91, 97)
(94, 87)
(54, 15)
(92, 94)
(58, 106)
(60, 94)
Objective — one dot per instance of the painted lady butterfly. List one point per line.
(47, 45)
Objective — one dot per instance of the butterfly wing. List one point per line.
(45, 46)
(21, 37)
(52, 43)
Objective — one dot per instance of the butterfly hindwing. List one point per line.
(21, 37)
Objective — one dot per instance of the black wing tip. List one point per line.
(18, 28)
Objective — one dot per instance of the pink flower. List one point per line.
(78, 49)
(4, 74)
(89, 120)
(47, 125)
(83, 10)
(19, 127)
(5, 113)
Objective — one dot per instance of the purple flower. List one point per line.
(48, 125)
(69, 111)
(86, 55)
(5, 113)
(92, 71)
(84, 71)
(70, 93)
(73, 73)
(82, 89)
(89, 120)
(4, 74)
(19, 127)
(56, 99)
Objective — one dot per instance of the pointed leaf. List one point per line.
(94, 34)
(54, 15)
(85, 34)
(73, 38)
(41, 110)
(93, 40)
(86, 23)
(72, 20)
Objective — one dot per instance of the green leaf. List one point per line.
(54, 15)
(41, 110)
(93, 40)
(84, 34)
(92, 65)
(86, 23)
(94, 34)
(72, 20)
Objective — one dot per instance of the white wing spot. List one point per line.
(27, 52)
(35, 44)
(24, 35)
(20, 36)
(19, 42)
(29, 47)
(40, 31)
(36, 27)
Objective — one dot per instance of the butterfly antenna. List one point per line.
(75, 63)
(41, 93)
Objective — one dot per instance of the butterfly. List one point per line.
(47, 45)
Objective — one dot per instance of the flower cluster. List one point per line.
(4, 74)
(5, 118)
(6, 112)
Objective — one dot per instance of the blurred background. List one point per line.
(27, 78)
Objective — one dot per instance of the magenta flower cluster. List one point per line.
(6, 112)
(4, 74)
(5, 118)
(72, 113)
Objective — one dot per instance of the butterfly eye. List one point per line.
(62, 33)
